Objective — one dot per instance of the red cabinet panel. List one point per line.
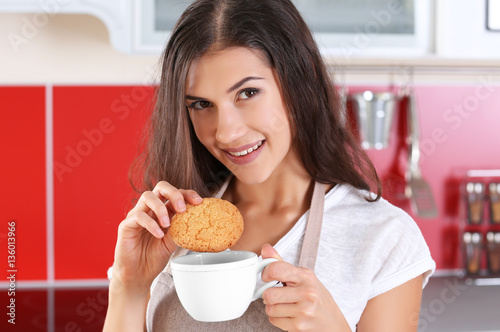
(80, 310)
(30, 312)
(96, 135)
(22, 169)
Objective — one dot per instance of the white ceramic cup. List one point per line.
(215, 287)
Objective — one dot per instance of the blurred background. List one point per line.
(76, 85)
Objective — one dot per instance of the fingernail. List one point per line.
(160, 233)
(197, 198)
(181, 206)
(165, 221)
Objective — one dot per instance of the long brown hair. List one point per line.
(326, 147)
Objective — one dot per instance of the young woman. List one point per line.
(246, 111)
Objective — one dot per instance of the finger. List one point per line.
(170, 209)
(171, 194)
(267, 251)
(142, 220)
(284, 323)
(169, 242)
(191, 196)
(149, 201)
(278, 295)
(286, 273)
(284, 310)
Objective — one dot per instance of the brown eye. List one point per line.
(204, 104)
(247, 93)
(200, 104)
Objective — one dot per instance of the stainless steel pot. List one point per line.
(375, 113)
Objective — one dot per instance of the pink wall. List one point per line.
(460, 131)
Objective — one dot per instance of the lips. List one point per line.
(245, 154)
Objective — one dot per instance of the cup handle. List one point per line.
(260, 267)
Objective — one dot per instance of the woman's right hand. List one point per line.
(144, 243)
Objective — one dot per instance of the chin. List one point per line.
(256, 177)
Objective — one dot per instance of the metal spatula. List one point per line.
(417, 189)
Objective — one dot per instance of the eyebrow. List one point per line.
(241, 82)
(232, 88)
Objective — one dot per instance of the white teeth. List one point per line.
(245, 152)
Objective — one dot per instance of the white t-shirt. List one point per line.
(365, 249)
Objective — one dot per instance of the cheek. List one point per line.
(202, 130)
(277, 123)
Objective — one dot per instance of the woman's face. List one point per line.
(235, 105)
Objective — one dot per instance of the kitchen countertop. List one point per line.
(449, 304)
(455, 304)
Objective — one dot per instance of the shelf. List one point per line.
(428, 63)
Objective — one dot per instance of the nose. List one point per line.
(230, 124)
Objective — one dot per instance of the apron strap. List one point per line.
(223, 188)
(313, 228)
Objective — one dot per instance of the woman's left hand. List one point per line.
(304, 303)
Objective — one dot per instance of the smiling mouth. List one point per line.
(247, 151)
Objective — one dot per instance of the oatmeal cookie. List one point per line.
(212, 226)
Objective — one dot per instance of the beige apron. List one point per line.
(165, 312)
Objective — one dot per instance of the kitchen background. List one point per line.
(74, 104)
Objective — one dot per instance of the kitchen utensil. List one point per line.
(475, 196)
(493, 251)
(417, 189)
(374, 113)
(495, 203)
(472, 249)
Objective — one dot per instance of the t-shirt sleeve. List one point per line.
(401, 253)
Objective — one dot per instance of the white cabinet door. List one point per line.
(346, 28)
(351, 28)
(116, 15)
(462, 30)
